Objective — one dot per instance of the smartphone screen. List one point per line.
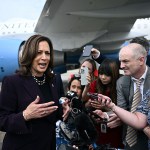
(84, 73)
(93, 96)
(87, 50)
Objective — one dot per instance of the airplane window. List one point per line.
(2, 69)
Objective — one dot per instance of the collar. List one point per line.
(142, 77)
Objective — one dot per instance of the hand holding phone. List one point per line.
(93, 95)
(87, 51)
(95, 53)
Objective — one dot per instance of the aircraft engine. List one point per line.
(59, 58)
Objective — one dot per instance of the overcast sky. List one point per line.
(27, 9)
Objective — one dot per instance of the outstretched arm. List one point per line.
(136, 120)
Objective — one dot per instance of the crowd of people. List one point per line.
(116, 105)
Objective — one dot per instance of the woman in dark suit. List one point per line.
(29, 106)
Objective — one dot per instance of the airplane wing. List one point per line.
(106, 24)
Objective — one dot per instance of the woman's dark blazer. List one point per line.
(17, 93)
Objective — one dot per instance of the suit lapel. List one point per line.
(127, 88)
(32, 88)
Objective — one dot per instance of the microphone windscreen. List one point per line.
(76, 103)
(86, 128)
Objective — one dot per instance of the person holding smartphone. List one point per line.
(105, 84)
(91, 65)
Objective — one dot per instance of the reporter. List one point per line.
(138, 119)
(91, 65)
(74, 128)
(132, 58)
(29, 106)
(108, 73)
(74, 84)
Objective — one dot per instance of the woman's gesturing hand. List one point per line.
(36, 110)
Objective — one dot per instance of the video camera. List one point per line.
(73, 128)
(74, 102)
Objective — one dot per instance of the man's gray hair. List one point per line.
(138, 50)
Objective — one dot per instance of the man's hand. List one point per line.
(95, 53)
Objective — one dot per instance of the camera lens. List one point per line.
(75, 110)
(61, 100)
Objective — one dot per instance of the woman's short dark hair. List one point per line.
(30, 50)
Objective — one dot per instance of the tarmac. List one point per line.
(64, 77)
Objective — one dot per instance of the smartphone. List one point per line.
(93, 96)
(87, 51)
(84, 73)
